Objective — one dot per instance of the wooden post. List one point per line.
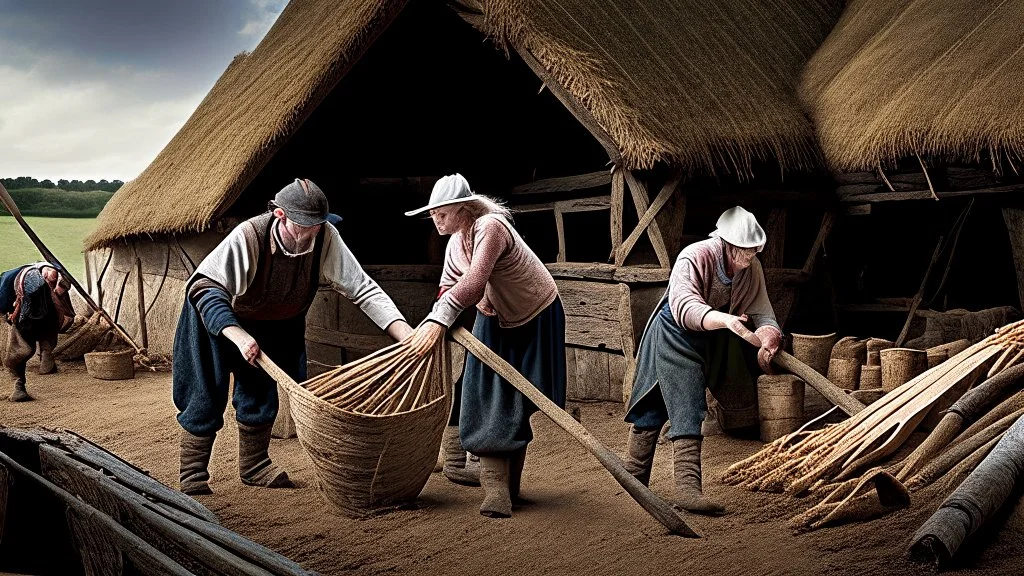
(628, 349)
(647, 221)
(617, 200)
(560, 230)
(143, 331)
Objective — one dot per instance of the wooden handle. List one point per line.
(650, 501)
(275, 371)
(830, 391)
(11, 207)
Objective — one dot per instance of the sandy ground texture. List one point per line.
(578, 519)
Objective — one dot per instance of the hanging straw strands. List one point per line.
(808, 460)
(390, 381)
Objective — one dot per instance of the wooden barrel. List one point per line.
(116, 365)
(844, 372)
(870, 378)
(814, 350)
(780, 402)
(899, 365)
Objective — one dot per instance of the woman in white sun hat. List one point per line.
(519, 316)
(697, 338)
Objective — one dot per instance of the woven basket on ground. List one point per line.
(115, 365)
(373, 427)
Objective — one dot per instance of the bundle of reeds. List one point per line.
(806, 459)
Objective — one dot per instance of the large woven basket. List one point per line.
(365, 463)
(115, 365)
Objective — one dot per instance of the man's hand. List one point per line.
(399, 330)
(425, 337)
(770, 339)
(246, 344)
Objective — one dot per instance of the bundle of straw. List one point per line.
(804, 460)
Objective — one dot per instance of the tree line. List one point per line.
(22, 182)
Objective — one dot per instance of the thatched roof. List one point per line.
(700, 84)
(899, 77)
(255, 106)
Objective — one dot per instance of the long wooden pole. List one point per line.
(11, 207)
(826, 388)
(650, 501)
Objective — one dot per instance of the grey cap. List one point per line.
(303, 203)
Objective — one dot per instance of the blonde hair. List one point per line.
(481, 205)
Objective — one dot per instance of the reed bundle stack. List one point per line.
(373, 426)
(809, 459)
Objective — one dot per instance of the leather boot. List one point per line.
(195, 462)
(494, 478)
(20, 394)
(516, 461)
(640, 453)
(459, 466)
(254, 465)
(686, 469)
(46, 363)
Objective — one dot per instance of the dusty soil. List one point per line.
(578, 519)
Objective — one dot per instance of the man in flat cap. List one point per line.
(697, 338)
(249, 295)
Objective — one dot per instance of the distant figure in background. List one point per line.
(697, 338)
(519, 316)
(34, 300)
(250, 295)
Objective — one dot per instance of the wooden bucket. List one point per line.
(899, 365)
(115, 365)
(780, 402)
(844, 372)
(814, 350)
(366, 462)
(874, 346)
(870, 378)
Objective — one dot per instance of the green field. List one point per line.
(63, 236)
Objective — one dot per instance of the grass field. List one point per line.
(63, 236)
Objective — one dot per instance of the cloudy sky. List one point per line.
(95, 88)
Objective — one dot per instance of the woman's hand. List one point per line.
(399, 330)
(771, 339)
(736, 325)
(425, 337)
(246, 344)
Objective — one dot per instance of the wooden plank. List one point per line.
(560, 231)
(642, 203)
(647, 220)
(671, 220)
(563, 183)
(591, 313)
(927, 195)
(571, 384)
(323, 312)
(338, 339)
(857, 210)
(609, 272)
(98, 553)
(582, 115)
(617, 201)
(590, 204)
(623, 376)
(1014, 218)
(775, 246)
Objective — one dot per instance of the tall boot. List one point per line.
(640, 453)
(459, 466)
(686, 469)
(195, 462)
(516, 461)
(46, 363)
(20, 394)
(254, 465)
(494, 478)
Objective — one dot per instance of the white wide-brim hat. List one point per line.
(739, 228)
(451, 189)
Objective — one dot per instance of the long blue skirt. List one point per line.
(494, 416)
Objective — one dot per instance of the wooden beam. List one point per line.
(857, 210)
(647, 219)
(642, 203)
(141, 300)
(927, 195)
(617, 200)
(590, 204)
(563, 184)
(347, 340)
(626, 329)
(920, 294)
(1014, 218)
(609, 272)
(560, 231)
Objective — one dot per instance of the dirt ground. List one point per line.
(578, 519)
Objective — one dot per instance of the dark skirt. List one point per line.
(494, 416)
(673, 368)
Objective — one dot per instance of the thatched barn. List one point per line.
(617, 130)
(918, 113)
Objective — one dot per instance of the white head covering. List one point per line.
(450, 189)
(739, 228)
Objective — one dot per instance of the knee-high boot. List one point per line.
(494, 478)
(195, 462)
(687, 472)
(254, 465)
(640, 449)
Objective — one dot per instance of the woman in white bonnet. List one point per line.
(519, 316)
(713, 329)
